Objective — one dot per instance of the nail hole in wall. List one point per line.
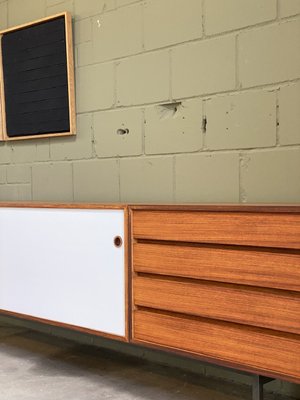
(122, 131)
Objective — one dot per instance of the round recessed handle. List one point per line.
(118, 241)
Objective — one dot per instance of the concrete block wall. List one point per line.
(209, 91)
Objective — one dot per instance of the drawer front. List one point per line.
(273, 309)
(222, 285)
(258, 349)
(249, 229)
(265, 268)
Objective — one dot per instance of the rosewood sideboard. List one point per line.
(217, 282)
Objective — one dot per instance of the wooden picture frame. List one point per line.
(4, 136)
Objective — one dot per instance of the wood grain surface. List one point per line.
(255, 267)
(70, 72)
(249, 229)
(37, 204)
(219, 282)
(261, 349)
(273, 309)
(278, 208)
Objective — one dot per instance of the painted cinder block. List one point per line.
(5, 153)
(96, 179)
(43, 150)
(121, 3)
(94, 87)
(271, 176)
(3, 15)
(23, 152)
(83, 31)
(61, 7)
(143, 79)
(74, 147)
(2, 175)
(28, 151)
(50, 3)
(289, 114)
(117, 33)
(289, 7)
(118, 133)
(18, 174)
(244, 120)
(226, 15)
(270, 54)
(52, 182)
(89, 8)
(207, 177)
(178, 22)
(146, 179)
(84, 54)
(204, 67)
(22, 11)
(15, 192)
(174, 127)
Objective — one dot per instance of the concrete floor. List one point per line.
(38, 366)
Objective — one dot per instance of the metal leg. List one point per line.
(258, 386)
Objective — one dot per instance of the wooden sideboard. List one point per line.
(217, 282)
(221, 283)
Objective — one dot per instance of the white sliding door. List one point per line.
(62, 265)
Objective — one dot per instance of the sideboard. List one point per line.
(216, 282)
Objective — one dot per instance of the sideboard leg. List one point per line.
(258, 386)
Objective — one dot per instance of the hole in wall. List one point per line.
(170, 110)
(204, 124)
(122, 131)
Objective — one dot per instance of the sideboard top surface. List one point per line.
(221, 207)
(33, 204)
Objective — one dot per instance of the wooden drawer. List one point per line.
(254, 349)
(239, 228)
(265, 267)
(220, 283)
(273, 309)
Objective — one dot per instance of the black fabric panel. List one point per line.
(20, 67)
(36, 35)
(38, 73)
(44, 105)
(35, 79)
(39, 51)
(26, 129)
(56, 114)
(38, 95)
(37, 85)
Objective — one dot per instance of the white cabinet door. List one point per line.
(62, 265)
